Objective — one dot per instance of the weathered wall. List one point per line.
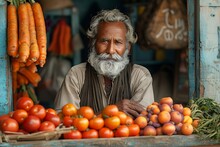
(210, 48)
(5, 78)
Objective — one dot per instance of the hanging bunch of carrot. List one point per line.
(61, 43)
(26, 45)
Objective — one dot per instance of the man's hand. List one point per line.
(130, 107)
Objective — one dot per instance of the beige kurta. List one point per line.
(141, 86)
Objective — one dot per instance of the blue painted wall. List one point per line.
(5, 78)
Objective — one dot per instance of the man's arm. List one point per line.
(70, 88)
(142, 92)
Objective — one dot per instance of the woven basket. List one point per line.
(43, 135)
(56, 4)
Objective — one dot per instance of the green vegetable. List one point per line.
(207, 111)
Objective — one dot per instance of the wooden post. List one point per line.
(5, 73)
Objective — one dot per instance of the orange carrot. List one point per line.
(41, 32)
(32, 67)
(23, 21)
(33, 78)
(67, 41)
(24, 35)
(15, 64)
(62, 37)
(24, 52)
(54, 45)
(14, 87)
(34, 50)
(29, 62)
(22, 80)
(14, 82)
(12, 31)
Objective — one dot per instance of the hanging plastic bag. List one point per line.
(164, 25)
(52, 75)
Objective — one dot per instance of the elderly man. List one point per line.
(108, 77)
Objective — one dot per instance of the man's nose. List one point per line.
(111, 48)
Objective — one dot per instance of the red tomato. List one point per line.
(86, 111)
(96, 123)
(24, 103)
(74, 134)
(38, 110)
(129, 120)
(106, 133)
(3, 117)
(134, 130)
(9, 124)
(55, 119)
(122, 116)
(67, 121)
(110, 110)
(19, 115)
(122, 131)
(31, 124)
(112, 122)
(91, 133)
(69, 109)
(81, 123)
(46, 126)
(52, 111)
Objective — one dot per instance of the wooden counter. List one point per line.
(141, 141)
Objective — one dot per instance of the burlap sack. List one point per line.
(164, 25)
(55, 4)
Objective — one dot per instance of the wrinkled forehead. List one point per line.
(104, 26)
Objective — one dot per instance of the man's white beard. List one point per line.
(108, 65)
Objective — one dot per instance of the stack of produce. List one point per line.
(29, 118)
(26, 45)
(159, 118)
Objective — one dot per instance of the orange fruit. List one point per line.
(150, 131)
(166, 100)
(159, 131)
(195, 123)
(187, 129)
(165, 107)
(164, 117)
(176, 116)
(141, 121)
(178, 107)
(187, 111)
(154, 118)
(187, 119)
(168, 129)
(156, 110)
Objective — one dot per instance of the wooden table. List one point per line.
(141, 141)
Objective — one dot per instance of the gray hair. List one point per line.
(111, 16)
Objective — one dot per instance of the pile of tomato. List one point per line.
(109, 123)
(29, 118)
(163, 118)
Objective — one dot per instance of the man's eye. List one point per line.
(104, 41)
(118, 42)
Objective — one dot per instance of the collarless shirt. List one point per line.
(141, 86)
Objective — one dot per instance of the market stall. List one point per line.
(158, 116)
